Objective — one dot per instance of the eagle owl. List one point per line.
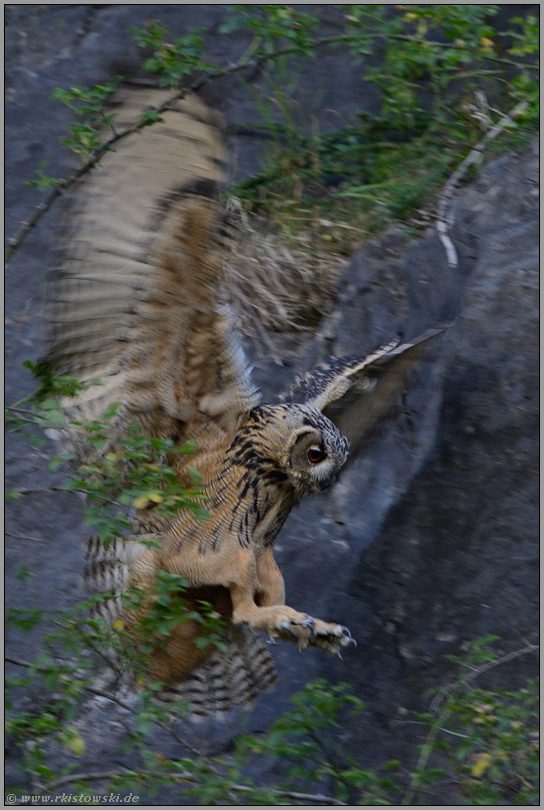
(136, 304)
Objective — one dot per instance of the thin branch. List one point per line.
(443, 221)
(24, 412)
(427, 747)
(24, 537)
(74, 490)
(439, 698)
(245, 62)
(63, 185)
(85, 777)
(184, 775)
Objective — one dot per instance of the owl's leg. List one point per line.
(273, 616)
(271, 587)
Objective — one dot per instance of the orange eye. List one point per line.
(315, 455)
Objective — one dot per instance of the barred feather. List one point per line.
(134, 304)
(228, 680)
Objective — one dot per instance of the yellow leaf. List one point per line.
(76, 744)
(118, 624)
(409, 16)
(155, 497)
(487, 43)
(481, 764)
(141, 502)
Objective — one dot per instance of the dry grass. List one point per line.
(278, 284)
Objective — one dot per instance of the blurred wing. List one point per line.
(135, 303)
(357, 393)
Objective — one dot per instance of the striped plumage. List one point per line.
(138, 303)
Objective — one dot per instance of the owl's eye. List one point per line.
(315, 455)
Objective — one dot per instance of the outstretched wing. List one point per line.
(356, 393)
(135, 302)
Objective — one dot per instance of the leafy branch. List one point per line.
(490, 742)
(273, 27)
(147, 118)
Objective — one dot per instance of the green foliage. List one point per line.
(169, 607)
(171, 60)
(137, 472)
(274, 27)
(441, 77)
(482, 744)
(44, 181)
(50, 384)
(88, 104)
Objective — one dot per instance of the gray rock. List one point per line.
(430, 537)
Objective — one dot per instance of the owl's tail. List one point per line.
(228, 680)
(223, 680)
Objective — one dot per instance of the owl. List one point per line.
(137, 305)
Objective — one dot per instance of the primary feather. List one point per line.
(134, 304)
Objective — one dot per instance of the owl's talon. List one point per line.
(310, 623)
(286, 625)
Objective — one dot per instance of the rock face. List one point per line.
(430, 537)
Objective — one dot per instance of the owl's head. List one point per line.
(303, 445)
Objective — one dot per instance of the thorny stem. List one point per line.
(245, 62)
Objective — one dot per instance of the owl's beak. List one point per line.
(328, 482)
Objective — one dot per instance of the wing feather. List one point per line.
(135, 303)
(357, 392)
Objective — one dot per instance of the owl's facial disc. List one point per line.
(317, 455)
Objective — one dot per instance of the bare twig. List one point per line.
(24, 537)
(247, 61)
(439, 698)
(75, 490)
(63, 185)
(183, 775)
(443, 221)
(24, 412)
(186, 776)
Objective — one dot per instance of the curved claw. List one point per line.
(286, 625)
(346, 636)
(310, 623)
